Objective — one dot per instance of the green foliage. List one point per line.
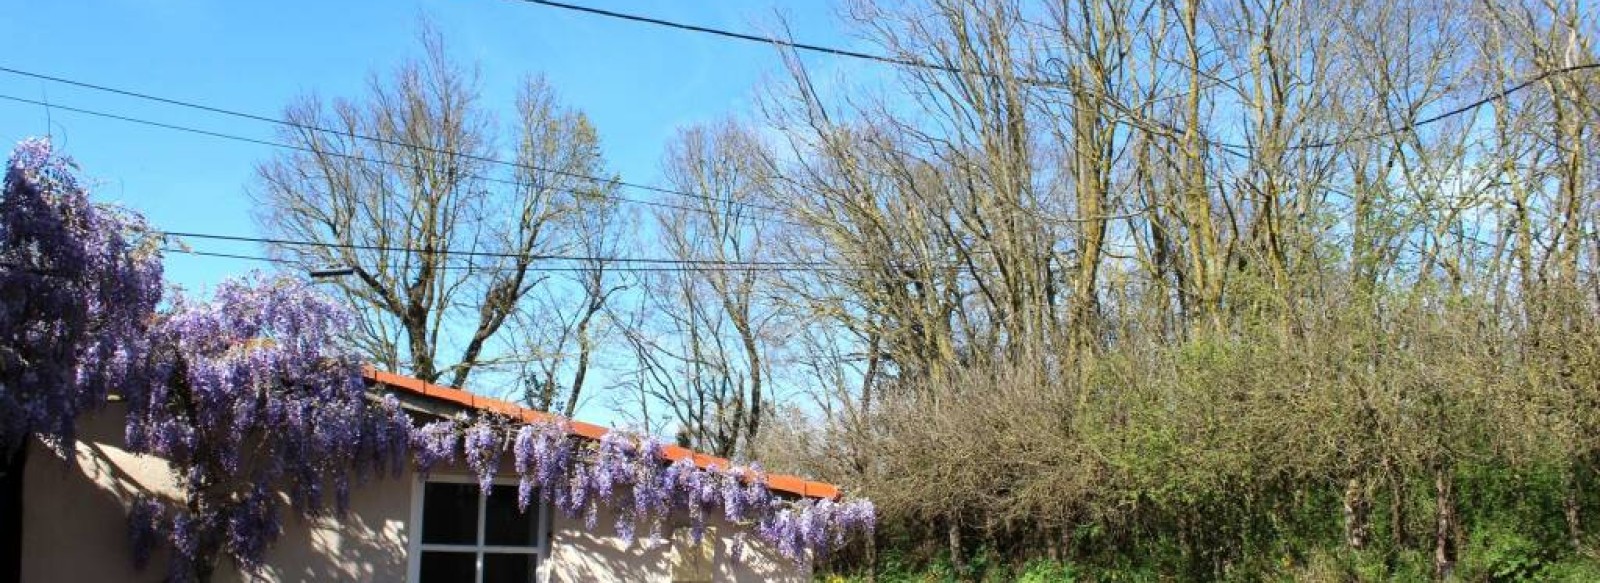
(940, 571)
(1574, 571)
(1504, 552)
(1040, 571)
(1231, 455)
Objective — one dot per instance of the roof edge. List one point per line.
(777, 482)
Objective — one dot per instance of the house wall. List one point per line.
(579, 554)
(75, 529)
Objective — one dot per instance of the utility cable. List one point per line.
(344, 156)
(1485, 100)
(731, 268)
(378, 140)
(494, 254)
(1230, 148)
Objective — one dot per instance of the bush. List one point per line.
(1501, 552)
(1042, 571)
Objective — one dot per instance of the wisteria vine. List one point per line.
(77, 290)
(628, 476)
(253, 391)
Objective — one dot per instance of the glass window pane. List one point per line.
(450, 514)
(508, 568)
(443, 567)
(505, 525)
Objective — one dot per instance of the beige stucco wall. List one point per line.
(578, 554)
(74, 529)
(73, 525)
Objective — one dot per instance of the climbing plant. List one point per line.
(628, 476)
(78, 286)
(254, 391)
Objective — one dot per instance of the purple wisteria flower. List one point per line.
(483, 454)
(629, 477)
(434, 443)
(259, 368)
(79, 283)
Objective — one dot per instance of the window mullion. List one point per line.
(483, 503)
(479, 550)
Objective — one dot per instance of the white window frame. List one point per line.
(415, 547)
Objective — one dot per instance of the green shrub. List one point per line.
(1501, 552)
(1044, 571)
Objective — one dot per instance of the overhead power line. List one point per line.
(1230, 148)
(538, 268)
(801, 46)
(380, 140)
(749, 37)
(1134, 119)
(343, 156)
(1485, 100)
(493, 254)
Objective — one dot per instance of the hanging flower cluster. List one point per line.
(627, 476)
(253, 390)
(77, 291)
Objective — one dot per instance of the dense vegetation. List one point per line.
(1191, 310)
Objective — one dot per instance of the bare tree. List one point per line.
(703, 353)
(404, 187)
(560, 332)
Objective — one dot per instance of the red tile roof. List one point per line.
(776, 482)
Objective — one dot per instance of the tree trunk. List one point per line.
(1444, 547)
(953, 532)
(872, 558)
(1357, 514)
(1571, 508)
(11, 477)
(1397, 505)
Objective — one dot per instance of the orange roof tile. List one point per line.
(776, 482)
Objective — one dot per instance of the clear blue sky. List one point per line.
(637, 82)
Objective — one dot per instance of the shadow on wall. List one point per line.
(365, 544)
(75, 520)
(579, 553)
(75, 529)
(758, 562)
(74, 523)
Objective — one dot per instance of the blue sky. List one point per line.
(638, 83)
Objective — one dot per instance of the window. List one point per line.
(470, 538)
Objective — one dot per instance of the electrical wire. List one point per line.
(494, 254)
(809, 47)
(732, 268)
(374, 139)
(1137, 120)
(1485, 100)
(351, 157)
(1231, 148)
(762, 39)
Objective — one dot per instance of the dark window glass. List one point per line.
(450, 514)
(443, 567)
(508, 568)
(504, 524)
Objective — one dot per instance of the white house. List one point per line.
(416, 529)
